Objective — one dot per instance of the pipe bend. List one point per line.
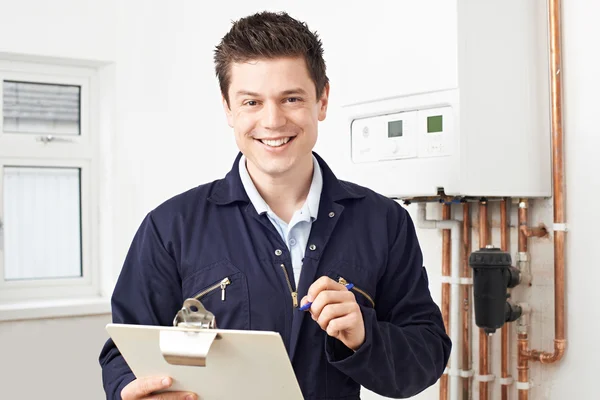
(546, 357)
(424, 223)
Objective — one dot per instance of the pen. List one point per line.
(307, 305)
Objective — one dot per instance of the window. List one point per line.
(48, 163)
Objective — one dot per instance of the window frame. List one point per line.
(72, 151)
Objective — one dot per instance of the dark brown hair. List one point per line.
(269, 35)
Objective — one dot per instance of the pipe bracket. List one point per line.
(485, 378)
(560, 227)
(461, 372)
(456, 281)
(506, 381)
(523, 385)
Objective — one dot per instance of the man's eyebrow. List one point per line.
(246, 93)
(288, 92)
(294, 91)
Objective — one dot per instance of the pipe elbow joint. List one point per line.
(548, 358)
(559, 351)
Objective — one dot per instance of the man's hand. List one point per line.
(143, 389)
(336, 311)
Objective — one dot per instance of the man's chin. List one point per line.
(276, 171)
(277, 168)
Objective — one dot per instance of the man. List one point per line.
(279, 231)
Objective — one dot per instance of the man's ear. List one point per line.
(228, 112)
(323, 103)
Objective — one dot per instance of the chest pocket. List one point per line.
(363, 281)
(223, 290)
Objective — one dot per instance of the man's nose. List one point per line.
(273, 116)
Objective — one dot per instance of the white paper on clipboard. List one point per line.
(237, 364)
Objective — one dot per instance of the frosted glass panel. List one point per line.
(41, 108)
(42, 223)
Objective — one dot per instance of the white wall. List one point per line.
(52, 358)
(171, 134)
(63, 28)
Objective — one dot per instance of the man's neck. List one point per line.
(285, 193)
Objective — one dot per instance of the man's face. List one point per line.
(274, 113)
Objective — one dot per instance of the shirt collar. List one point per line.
(312, 199)
(229, 189)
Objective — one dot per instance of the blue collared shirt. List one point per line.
(296, 233)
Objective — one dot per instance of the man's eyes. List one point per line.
(254, 103)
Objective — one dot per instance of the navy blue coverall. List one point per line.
(212, 232)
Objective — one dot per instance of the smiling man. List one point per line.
(280, 232)
(274, 108)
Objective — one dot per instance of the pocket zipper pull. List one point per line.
(224, 284)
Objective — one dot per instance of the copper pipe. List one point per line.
(558, 187)
(504, 363)
(466, 298)
(556, 100)
(484, 227)
(522, 226)
(558, 192)
(446, 254)
(483, 338)
(504, 331)
(503, 226)
(523, 366)
(539, 231)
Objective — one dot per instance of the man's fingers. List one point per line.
(174, 396)
(143, 387)
(330, 297)
(303, 301)
(333, 312)
(321, 284)
(336, 326)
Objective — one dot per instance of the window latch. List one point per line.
(51, 138)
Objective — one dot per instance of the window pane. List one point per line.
(41, 108)
(42, 223)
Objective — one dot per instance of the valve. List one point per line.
(492, 276)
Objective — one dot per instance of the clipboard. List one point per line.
(217, 364)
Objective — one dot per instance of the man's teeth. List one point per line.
(276, 143)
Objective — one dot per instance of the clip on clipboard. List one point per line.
(214, 363)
